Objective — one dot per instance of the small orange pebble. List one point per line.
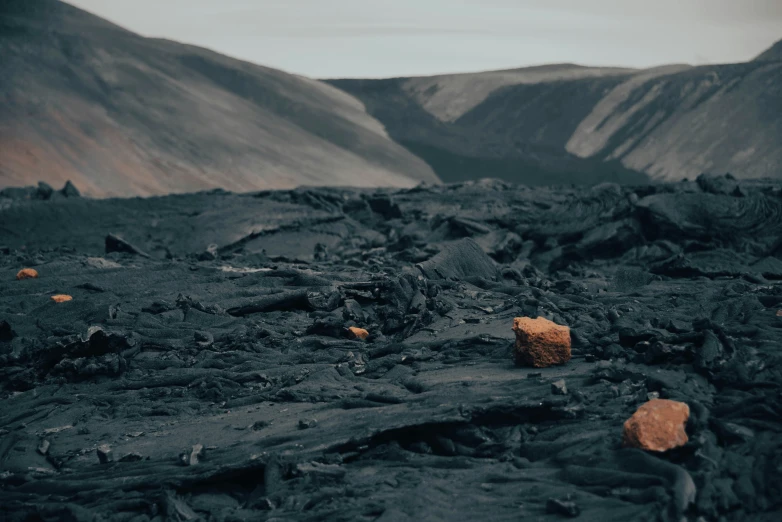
(27, 273)
(358, 333)
(779, 313)
(61, 298)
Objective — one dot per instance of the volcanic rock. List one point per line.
(44, 190)
(27, 273)
(657, 425)
(559, 387)
(131, 457)
(192, 457)
(305, 424)
(562, 507)
(464, 258)
(104, 454)
(43, 447)
(117, 244)
(540, 342)
(358, 333)
(432, 404)
(70, 190)
(6, 332)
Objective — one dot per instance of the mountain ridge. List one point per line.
(666, 123)
(773, 53)
(123, 115)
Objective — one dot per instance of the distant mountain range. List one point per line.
(568, 123)
(121, 115)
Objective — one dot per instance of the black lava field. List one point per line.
(205, 370)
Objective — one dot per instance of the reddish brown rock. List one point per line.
(358, 333)
(657, 425)
(540, 342)
(27, 273)
(61, 298)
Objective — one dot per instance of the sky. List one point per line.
(387, 38)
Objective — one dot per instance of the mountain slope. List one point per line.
(725, 118)
(510, 125)
(580, 124)
(124, 115)
(773, 53)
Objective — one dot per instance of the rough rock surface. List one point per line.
(27, 273)
(358, 333)
(227, 389)
(540, 343)
(658, 425)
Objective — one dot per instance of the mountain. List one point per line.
(568, 123)
(772, 54)
(122, 115)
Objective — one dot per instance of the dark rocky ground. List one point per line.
(206, 359)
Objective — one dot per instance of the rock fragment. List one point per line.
(117, 244)
(6, 332)
(70, 190)
(192, 457)
(358, 333)
(384, 205)
(305, 424)
(259, 425)
(540, 342)
(27, 273)
(44, 191)
(43, 447)
(61, 298)
(562, 507)
(104, 454)
(657, 425)
(131, 457)
(203, 339)
(210, 254)
(459, 260)
(559, 387)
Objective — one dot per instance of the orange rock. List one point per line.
(657, 425)
(540, 342)
(61, 298)
(358, 333)
(779, 313)
(27, 273)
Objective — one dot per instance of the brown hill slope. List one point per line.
(118, 114)
(573, 123)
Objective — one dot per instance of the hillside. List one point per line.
(773, 53)
(581, 124)
(122, 115)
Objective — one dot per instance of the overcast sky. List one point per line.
(383, 38)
